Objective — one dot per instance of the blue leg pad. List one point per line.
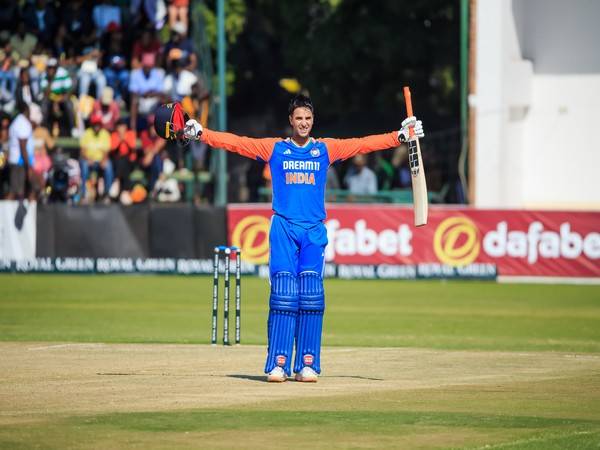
(310, 322)
(282, 321)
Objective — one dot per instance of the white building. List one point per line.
(535, 102)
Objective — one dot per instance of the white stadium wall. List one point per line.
(537, 104)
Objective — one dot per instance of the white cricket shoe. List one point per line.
(307, 375)
(277, 375)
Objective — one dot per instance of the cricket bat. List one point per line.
(417, 171)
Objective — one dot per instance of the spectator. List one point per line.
(90, 71)
(181, 42)
(95, 148)
(360, 179)
(80, 31)
(23, 42)
(180, 82)
(147, 43)
(115, 63)
(402, 177)
(4, 167)
(104, 14)
(154, 10)
(178, 13)
(56, 85)
(27, 90)
(145, 89)
(9, 15)
(107, 108)
(123, 152)
(42, 144)
(150, 160)
(20, 153)
(166, 188)
(41, 20)
(8, 81)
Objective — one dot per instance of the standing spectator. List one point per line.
(28, 91)
(77, 19)
(147, 43)
(150, 160)
(107, 108)
(95, 148)
(41, 20)
(4, 169)
(90, 72)
(115, 63)
(123, 151)
(145, 89)
(9, 14)
(56, 85)
(23, 42)
(360, 179)
(178, 13)
(20, 153)
(42, 144)
(104, 14)
(154, 10)
(180, 41)
(8, 81)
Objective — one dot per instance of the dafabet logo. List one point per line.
(457, 241)
(251, 234)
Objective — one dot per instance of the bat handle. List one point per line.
(409, 109)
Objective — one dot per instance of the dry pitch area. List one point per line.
(66, 396)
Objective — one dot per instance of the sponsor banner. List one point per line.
(17, 229)
(513, 242)
(117, 265)
(205, 267)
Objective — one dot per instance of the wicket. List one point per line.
(227, 251)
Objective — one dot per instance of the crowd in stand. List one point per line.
(79, 81)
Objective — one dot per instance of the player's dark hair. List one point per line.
(300, 101)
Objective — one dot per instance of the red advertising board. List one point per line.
(517, 242)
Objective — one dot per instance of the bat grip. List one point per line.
(409, 108)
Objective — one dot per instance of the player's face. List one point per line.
(301, 121)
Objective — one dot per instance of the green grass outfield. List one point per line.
(553, 410)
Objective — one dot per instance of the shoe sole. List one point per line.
(306, 380)
(274, 379)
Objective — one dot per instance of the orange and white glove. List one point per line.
(404, 133)
(193, 130)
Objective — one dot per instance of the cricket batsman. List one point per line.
(297, 237)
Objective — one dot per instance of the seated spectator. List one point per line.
(150, 160)
(114, 62)
(402, 177)
(166, 188)
(57, 108)
(145, 90)
(20, 153)
(360, 179)
(147, 43)
(77, 19)
(178, 13)
(123, 155)
(23, 42)
(95, 148)
(41, 19)
(104, 14)
(107, 108)
(28, 91)
(181, 42)
(8, 81)
(90, 72)
(179, 83)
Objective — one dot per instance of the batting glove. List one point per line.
(192, 130)
(408, 123)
